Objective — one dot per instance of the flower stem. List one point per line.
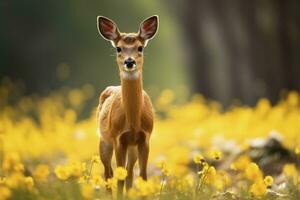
(162, 185)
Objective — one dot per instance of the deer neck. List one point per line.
(132, 88)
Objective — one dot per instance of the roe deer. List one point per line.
(125, 113)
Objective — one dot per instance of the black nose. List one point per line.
(129, 62)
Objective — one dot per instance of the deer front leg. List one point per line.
(106, 152)
(132, 158)
(120, 151)
(143, 153)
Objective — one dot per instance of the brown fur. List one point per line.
(125, 113)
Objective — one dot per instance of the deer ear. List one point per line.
(108, 29)
(148, 28)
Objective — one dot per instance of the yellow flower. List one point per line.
(132, 193)
(5, 193)
(268, 180)
(166, 97)
(145, 188)
(12, 161)
(162, 165)
(253, 172)
(210, 175)
(87, 191)
(198, 159)
(41, 173)
(62, 172)
(95, 159)
(165, 171)
(76, 168)
(76, 97)
(222, 180)
(241, 163)
(19, 167)
(258, 188)
(84, 179)
(290, 170)
(297, 150)
(293, 98)
(111, 183)
(15, 180)
(216, 154)
(120, 173)
(2, 180)
(29, 182)
(98, 181)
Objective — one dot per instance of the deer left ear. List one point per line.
(148, 28)
(108, 29)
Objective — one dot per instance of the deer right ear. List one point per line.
(108, 29)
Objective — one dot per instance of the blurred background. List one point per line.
(226, 50)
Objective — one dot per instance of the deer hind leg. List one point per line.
(143, 153)
(106, 152)
(132, 158)
(120, 153)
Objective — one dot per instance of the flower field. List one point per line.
(197, 151)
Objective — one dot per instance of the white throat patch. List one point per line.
(133, 75)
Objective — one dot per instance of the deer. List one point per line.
(125, 113)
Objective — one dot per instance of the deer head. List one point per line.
(129, 46)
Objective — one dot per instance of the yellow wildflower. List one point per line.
(145, 188)
(95, 159)
(98, 181)
(253, 172)
(258, 188)
(76, 168)
(216, 154)
(210, 175)
(132, 193)
(166, 97)
(19, 167)
(293, 98)
(2, 180)
(111, 183)
(241, 163)
(12, 161)
(268, 180)
(222, 180)
(120, 173)
(87, 191)
(5, 193)
(15, 180)
(291, 172)
(62, 172)
(84, 179)
(198, 159)
(297, 150)
(162, 165)
(28, 182)
(41, 173)
(76, 97)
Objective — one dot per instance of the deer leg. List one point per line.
(143, 153)
(106, 152)
(120, 152)
(132, 158)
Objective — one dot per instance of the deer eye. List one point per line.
(118, 49)
(140, 48)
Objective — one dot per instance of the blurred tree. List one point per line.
(242, 49)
